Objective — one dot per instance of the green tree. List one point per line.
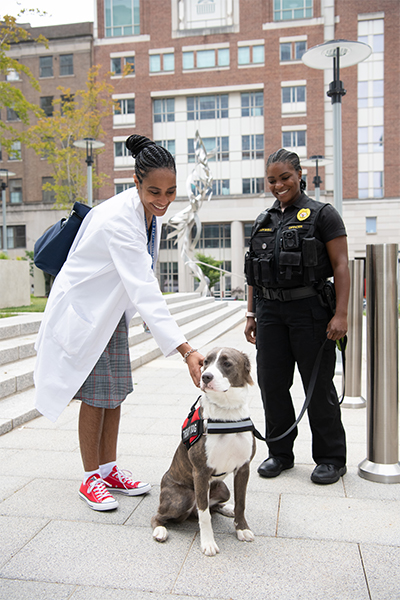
(75, 116)
(212, 274)
(11, 96)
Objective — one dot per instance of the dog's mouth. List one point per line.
(212, 387)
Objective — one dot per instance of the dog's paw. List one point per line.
(209, 548)
(245, 535)
(160, 534)
(228, 510)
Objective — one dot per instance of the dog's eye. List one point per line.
(205, 362)
(227, 363)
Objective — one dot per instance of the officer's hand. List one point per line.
(250, 330)
(337, 327)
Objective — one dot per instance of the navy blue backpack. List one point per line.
(51, 249)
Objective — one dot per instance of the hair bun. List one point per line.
(136, 143)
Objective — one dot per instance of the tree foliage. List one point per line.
(212, 274)
(10, 95)
(75, 116)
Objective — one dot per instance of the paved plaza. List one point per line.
(336, 542)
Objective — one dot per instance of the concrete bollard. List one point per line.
(381, 464)
(353, 397)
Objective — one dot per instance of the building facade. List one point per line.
(233, 70)
(65, 62)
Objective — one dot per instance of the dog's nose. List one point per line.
(207, 377)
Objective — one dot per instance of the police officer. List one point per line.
(296, 245)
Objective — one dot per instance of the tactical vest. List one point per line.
(287, 255)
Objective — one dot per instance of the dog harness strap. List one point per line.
(192, 428)
(215, 426)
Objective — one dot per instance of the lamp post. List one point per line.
(317, 160)
(344, 53)
(4, 174)
(89, 144)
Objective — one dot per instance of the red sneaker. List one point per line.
(119, 481)
(95, 492)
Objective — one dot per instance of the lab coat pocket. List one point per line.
(71, 331)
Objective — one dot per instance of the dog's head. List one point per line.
(225, 368)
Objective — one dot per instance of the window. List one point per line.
(370, 93)
(367, 145)
(48, 195)
(293, 139)
(122, 187)
(370, 224)
(169, 277)
(122, 17)
(218, 148)
(15, 191)
(15, 151)
(12, 75)
(45, 66)
(167, 244)
(46, 104)
(207, 107)
(248, 227)
(220, 187)
(252, 146)
(168, 145)
(293, 99)
(292, 50)
(122, 65)
(66, 100)
(122, 156)
(248, 55)
(252, 104)
(206, 59)
(254, 185)
(66, 64)
(16, 236)
(124, 112)
(12, 115)
(370, 184)
(287, 10)
(217, 235)
(162, 62)
(164, 110)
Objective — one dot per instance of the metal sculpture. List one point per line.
(199, 188)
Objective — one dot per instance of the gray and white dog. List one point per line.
(193, 485)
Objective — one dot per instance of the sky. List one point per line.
(59, 12)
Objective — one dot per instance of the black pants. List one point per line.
(288, 333)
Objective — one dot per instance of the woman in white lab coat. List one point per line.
(82, 346)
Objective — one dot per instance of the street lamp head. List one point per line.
(350, 53)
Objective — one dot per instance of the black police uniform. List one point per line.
(287, 264)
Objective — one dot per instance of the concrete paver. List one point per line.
(312, 542)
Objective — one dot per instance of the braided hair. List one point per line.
(148, 156)
(284, 156)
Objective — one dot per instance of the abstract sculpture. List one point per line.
(199, 188)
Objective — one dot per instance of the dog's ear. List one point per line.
(247, 369)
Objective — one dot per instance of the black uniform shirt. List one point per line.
(329, 223)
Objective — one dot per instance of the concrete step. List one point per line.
(201, 321)
(20, 325)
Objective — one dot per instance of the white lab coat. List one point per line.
(107, 273)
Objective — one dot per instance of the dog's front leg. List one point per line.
(202, 490)
(243, 533)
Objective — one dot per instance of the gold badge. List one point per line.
(303, 214)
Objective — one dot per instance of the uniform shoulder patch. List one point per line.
(303, 214)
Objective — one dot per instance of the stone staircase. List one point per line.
(201, 319)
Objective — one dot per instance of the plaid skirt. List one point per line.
(111, 378)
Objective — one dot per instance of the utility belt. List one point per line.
(284, 295)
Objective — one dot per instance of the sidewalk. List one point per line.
(336, 542)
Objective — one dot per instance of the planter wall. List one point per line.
(14, 283)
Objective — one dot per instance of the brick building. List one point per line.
(65, 62)
(232, 69)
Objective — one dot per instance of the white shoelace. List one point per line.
(124, 477)
(99, 489)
